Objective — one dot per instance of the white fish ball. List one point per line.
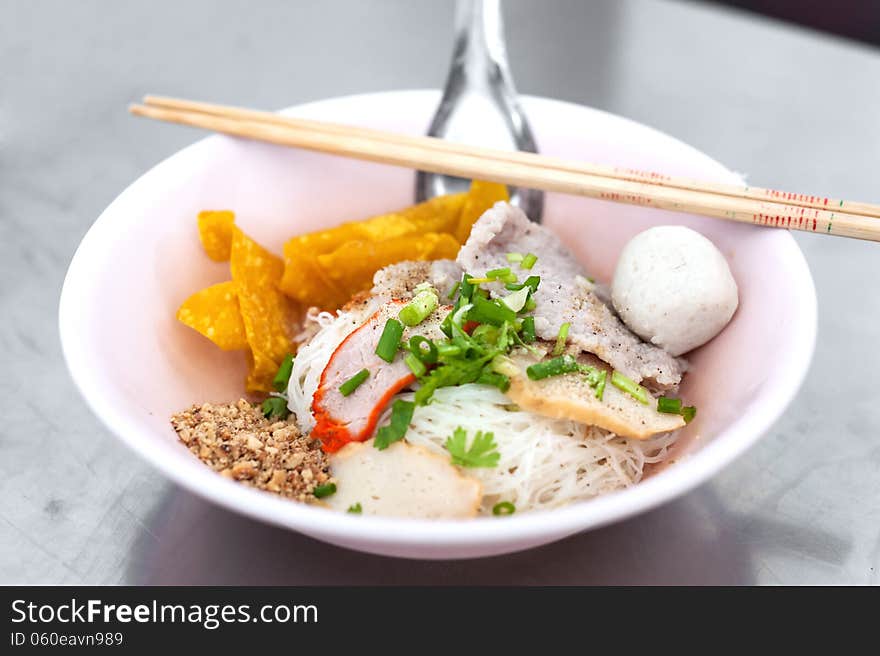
(673, 288)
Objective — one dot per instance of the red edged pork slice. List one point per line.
(342, 419)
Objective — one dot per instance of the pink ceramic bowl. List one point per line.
(136, 365)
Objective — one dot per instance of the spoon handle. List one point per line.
(479, 104)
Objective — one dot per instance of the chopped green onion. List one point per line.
(355, 509)
(498, 273)
(415, 347)
(504, 275)
(503, 508)
(530, 304)
(513, 258)
(418, 309)
(466, 289)
(528, 261)
(354, 382)
(485, 311)
(454, 290)
(516, 301)
(669, 405)
(494, 379)
(415, 365)
(275, 407)
(390, 340)
(401, 416)
(600, 385)
(629, 386)
(564, 364)
(532, 282)
(282, 378)
(326, 490)
(561, 336)
(688, 412)
(448, 350)
(673, 407)
(528, 329)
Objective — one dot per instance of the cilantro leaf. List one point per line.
(275, 407)
(454, 372)
(482, 452)
(401, 415)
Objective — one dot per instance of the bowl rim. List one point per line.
(783, 382)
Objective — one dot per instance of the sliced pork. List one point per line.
(341, 419)
(565, 296)
(399, 280)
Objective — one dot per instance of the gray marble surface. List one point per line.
(788, 107)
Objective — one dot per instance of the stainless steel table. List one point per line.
(790, 108)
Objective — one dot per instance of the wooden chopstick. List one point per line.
(622, 173)
(728, 202)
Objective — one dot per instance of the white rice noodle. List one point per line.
(545, 463)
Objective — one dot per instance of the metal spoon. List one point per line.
(479, 104)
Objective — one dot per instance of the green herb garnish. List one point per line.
(498, 273)
(492, 312)
(415, 364)
(528, 330)
(503, 508)
(529, 261)
(669, 405)
(390, 340)
(494, 379)
(401, 416)
(325, 490)
(481, 453)
(355, 509)
(415, 347)
(354, 382)
(513, 258)
(466, 289)
(561, 337)
(564, 364)
(600, 384)
(275, 407)
(531, 282)
(629, 386)
(456, 370)
(503, 275)
(282, 378)
(418, 309)
(673, 406)
(446, 351)
(517, 300)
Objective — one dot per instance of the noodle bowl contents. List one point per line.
(487, 376)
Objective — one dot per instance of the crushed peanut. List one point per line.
(236, 440)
